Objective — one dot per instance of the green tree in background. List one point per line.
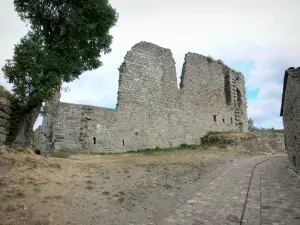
(250, 125)
(66, 38)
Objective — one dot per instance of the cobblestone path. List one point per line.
(274, 196)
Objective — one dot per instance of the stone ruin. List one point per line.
(290, 109)
(5, 111)
(151, 111)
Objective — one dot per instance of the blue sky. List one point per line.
(260, 38)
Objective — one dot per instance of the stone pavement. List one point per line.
(274, 196)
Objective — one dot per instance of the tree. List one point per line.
(250, 124)
(66, 39)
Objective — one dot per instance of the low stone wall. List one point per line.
(264, 142)
(4, 115)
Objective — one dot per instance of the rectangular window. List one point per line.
(231, 120)
(223, 120)
(215, 118)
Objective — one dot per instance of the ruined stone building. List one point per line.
(152, 111)
(290, 111)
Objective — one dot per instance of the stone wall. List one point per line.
(4, 115)
(290, 111)
(264, 142)
(151, 110)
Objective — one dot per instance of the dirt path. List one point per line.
(108, 190)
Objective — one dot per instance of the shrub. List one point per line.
(185, 146)
(209, 59)
(212, 138)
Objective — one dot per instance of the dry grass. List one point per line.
(40, 190)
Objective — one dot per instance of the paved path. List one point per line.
(274, 197)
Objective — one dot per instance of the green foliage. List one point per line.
(27, 71)
(210, 59)
(212, 138)
(250, 124)
(75, 32)
(66, 39)
(58, 154)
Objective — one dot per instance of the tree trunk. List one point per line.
(25, 128)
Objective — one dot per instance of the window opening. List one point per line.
(94, 140)
(123, 142)
(215, 118)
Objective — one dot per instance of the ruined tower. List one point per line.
(151, 110)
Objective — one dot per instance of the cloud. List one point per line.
(259, 38)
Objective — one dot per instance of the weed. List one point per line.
(105, 193)
(89, 187)
(121, 199)
(167, 186)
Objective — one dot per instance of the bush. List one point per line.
(185, 146)
(210, 59)
(212, 138)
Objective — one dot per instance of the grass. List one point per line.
(89, 187)
(210, 139)
(57, 154)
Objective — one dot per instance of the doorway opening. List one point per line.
(241, 125)
(294, 162)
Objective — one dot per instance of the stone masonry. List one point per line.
(5, 111)
(290, 109)
(152, 111)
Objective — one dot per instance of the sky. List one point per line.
(259, 38)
